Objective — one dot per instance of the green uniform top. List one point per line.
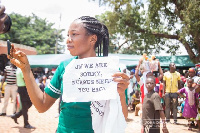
(75, 117)
(20, 78)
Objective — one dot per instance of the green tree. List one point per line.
(164, 25)
(35, 32)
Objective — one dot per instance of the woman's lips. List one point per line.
(70, 47)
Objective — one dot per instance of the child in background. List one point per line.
(152, 110)
(191, 101)
(135, 99)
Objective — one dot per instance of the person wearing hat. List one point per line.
(192, 74)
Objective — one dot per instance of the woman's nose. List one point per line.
(69, 40)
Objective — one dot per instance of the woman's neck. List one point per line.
(90, 54)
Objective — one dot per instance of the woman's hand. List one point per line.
(123, 81)
(18, 58)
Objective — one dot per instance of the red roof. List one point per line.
(26, 49)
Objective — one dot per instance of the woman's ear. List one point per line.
(93, 39)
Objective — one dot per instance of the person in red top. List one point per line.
(140, 81)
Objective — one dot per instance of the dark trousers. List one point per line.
(26, 104)
(171, 99)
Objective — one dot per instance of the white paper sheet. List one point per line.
(90, 79)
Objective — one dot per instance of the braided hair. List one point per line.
(93, 26)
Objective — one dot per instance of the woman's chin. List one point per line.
(73, 54)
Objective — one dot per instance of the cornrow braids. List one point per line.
(93, 26)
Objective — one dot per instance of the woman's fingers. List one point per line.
(120, 74)
(121, 88)
(123, 81)
(17, 63)
(18, 58)
(121, 78)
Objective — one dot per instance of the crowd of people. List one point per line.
(177, 90)
(12, 85)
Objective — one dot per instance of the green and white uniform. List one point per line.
(74, 117)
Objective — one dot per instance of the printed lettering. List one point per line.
(83, 89)
(98, 89)
(79, 66)
(88, 65)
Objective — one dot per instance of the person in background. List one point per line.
(1, 85)
(197, 90)
(25, 100)
(41, 84)
(161, 93)
(152, 110)
(131, 87)
(192, 74)
(127, 93)
(191, 102)
(198, 74)
(171, 84)
(10, 88)
(182, 106)
(141, 81)
(166, 70)
(135, 99)
(186, 74)
(36, 78)
(48, 80)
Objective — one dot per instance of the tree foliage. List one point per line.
(35, 32)
(163, 25)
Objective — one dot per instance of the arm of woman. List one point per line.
(160, 72)
(137, 71)
(41, 100)
(123, 81)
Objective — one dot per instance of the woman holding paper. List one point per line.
(85, 34)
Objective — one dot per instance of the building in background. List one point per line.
(3, 52)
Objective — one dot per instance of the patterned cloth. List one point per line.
(10, 75)
(190, 108)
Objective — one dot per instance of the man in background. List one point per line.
(10, 88)
(171, 84)
(25, 100)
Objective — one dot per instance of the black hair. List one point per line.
(190, 79)
(171, 63)
(93, 26)
(152, 77)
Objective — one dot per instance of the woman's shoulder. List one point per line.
(66, 62)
